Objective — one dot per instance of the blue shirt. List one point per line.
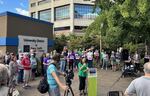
(50, 79)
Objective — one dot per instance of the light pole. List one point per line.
(101, 37)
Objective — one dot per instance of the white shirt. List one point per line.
(89, 55)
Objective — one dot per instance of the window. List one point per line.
(33, 15)
(45, 15)
(33, 4)
(62, 13)
(85, 11)
(43, 2)
(79, 27)
(62, 28)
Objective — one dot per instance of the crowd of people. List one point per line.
(22, 67)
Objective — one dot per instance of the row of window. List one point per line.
(85, 11)
(68, 28)
(63, 12)
(40, 3)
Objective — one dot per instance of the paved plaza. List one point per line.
(105, 80)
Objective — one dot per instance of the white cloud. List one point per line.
(22, 11)
(22, 5)
(1, 2)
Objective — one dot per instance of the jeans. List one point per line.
(76, 63)
(62, 65)
(20, 75)
(105, 64)
(45, 70)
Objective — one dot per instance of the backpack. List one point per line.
(43, 86)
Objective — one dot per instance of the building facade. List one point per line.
(68, 16)
(25, 33)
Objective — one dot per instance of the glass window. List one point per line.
(45, 15)
(80, 27)
(85, 11)
(33, 15)
(62, 13)
(62, 28)
(33, 4)
(43, 2)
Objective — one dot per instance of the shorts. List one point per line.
(117, 61)
(27, 75)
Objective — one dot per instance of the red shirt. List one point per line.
(26, 63)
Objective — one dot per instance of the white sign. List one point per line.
(26, 43)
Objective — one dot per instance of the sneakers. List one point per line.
(26, 85)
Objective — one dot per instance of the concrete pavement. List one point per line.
(105, 80)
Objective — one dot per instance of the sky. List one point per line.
(15, 6)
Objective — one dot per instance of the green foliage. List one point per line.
(131, 47)
(124, 22)
(60, 42)
(74, 42)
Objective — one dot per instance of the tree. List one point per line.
(60, 42)
(124, 21)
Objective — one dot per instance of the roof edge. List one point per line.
(7, 13)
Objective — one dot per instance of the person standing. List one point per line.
(82, 73)
(62, 63)
(71, 59)
(118, 59)
(33, 61)
(53, 77)
(20, 69)
(102, 57)
(141, 85)
(46, 62)
(90, 58)
(13, 68)
(42, 65)
(136, 59)
(27, 69)
(105, 61)
(96, 55)
(112, 60)
(77, 60)
(7, 58)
